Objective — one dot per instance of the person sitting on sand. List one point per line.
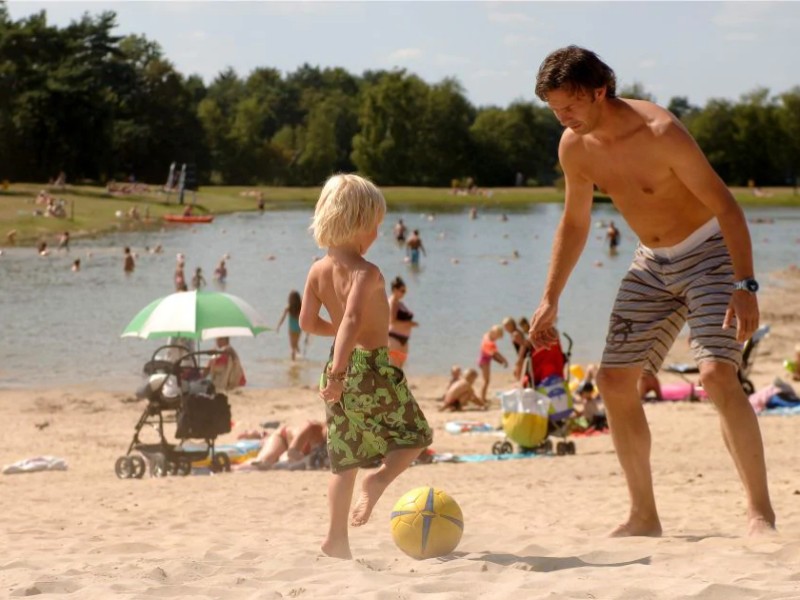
(460, 394)
(225, 369)
(295, 442)
(591, 407)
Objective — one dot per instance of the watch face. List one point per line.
(752, 285)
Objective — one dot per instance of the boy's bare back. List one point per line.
(352, 286)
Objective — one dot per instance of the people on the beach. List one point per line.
(694, 262)
(63, 241)
(612, 237)
(292, 311)
(179, 277)
(414, 246)
(461, 394)
(489, 353)
(518, 340)
(294, 442)
(648, 386)
(221, 272)
(400, 231)
(198, 281)
(401, 322)
(372, 416)
(225, 369)
(76, 265)
(128, 264)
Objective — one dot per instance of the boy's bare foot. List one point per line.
(636, 527)
(336, 549)
(760, 526)
(371, 490)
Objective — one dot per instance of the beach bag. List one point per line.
(555, 388)
(202, 416)
(525, 416)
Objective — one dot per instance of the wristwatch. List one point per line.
(746, 285)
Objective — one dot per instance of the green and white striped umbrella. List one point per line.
(196, 315)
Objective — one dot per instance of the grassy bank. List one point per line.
(93, 211)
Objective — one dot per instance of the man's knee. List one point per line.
(720, 380)
(613, 381)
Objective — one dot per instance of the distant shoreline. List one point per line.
(92, 210)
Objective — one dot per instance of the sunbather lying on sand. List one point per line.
(295, 442)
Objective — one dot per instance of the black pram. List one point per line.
(176, 393)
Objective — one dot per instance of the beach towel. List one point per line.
(459, 427)
(33, 465)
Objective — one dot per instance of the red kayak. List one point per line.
(189, 218)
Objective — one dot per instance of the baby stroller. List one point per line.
(748, 356)
(538, 411)
(175, 393)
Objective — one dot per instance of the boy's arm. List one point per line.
(500, 358)
(310, 321)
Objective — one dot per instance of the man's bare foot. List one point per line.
(638, 527)
(757, 526)
(336, 549)
(371, 490)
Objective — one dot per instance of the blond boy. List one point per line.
(371, 414)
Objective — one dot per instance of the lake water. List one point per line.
(60, 327)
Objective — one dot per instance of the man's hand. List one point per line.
(744, 306)
(332, 391)
(543, 333)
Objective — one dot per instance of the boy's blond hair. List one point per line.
(348, 205)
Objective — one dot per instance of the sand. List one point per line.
(535, 528)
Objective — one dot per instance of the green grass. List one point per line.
(92, 210)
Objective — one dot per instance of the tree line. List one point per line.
(100, 106)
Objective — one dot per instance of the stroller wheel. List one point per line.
(138, 466)
(184, 466)
(172, 467)
(123, 467)
(570, 447)
(507, 448)
(497, 448)
(548, 446)
(158, 466)
(561, 448)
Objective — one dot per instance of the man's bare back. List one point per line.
(635, 169)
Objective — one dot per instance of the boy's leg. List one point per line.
(631, 436)
(340, 494)
(742, 436)
(376, 482)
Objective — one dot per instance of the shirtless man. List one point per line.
(694, 262)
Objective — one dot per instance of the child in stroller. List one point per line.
(175, 393)
(544, 378)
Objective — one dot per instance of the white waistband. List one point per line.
(697, 237)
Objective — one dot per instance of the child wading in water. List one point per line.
(292, 310)
(371, 414)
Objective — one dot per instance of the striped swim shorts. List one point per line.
(663, 289)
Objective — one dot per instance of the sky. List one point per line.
(699, 50)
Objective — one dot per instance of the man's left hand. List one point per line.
(744, 306)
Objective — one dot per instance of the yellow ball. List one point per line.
(426, 523)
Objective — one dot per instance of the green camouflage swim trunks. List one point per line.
(376, 414)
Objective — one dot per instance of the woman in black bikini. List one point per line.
(401, 322)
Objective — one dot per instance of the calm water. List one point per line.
(60, 327)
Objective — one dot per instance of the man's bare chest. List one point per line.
(629, 171)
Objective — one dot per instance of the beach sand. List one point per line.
(534, 528)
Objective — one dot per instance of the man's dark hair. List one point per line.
(574, 69)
